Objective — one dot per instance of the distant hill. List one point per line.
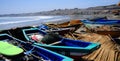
(109, 7)
(76, 11)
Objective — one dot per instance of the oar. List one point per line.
(55, 43)
(111, 38)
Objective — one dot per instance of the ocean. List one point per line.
(14, 22)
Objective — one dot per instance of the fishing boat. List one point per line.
(64, 46)
(101, 22)
(13, 50)
(97, 18)
(26, 51)
(72, 23)
(61, 31)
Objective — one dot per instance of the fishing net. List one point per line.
(50, 38)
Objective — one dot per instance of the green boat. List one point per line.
(9, 49)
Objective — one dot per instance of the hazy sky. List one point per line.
(26, 6)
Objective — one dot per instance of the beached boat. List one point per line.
(61, 31)
(13, 50)
(63, 45)
(97, 18)
(101, 22)
(31, 52)
(72, 23)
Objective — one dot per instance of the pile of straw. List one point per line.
(107, 51)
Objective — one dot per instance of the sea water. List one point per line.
(14, 22)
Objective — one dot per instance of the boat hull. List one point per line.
(78, 48)
(112, 33)
(101, 23)
(36, 51)
(69, 51)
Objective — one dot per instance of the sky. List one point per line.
(31, 6)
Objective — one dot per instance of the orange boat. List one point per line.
(72, 23)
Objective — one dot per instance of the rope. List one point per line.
(27, 52)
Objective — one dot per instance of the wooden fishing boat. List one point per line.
(72, 23)
(31, 52)
(61, 31)
(11, 51)
(64, 46)
(97, 18)
(101, 22)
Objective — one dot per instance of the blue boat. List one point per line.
(61, 31)
(32, 52)
(97, 18)
(65, 46)
(101, 22)
(93, 25)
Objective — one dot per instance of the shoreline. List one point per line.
(55, 21)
